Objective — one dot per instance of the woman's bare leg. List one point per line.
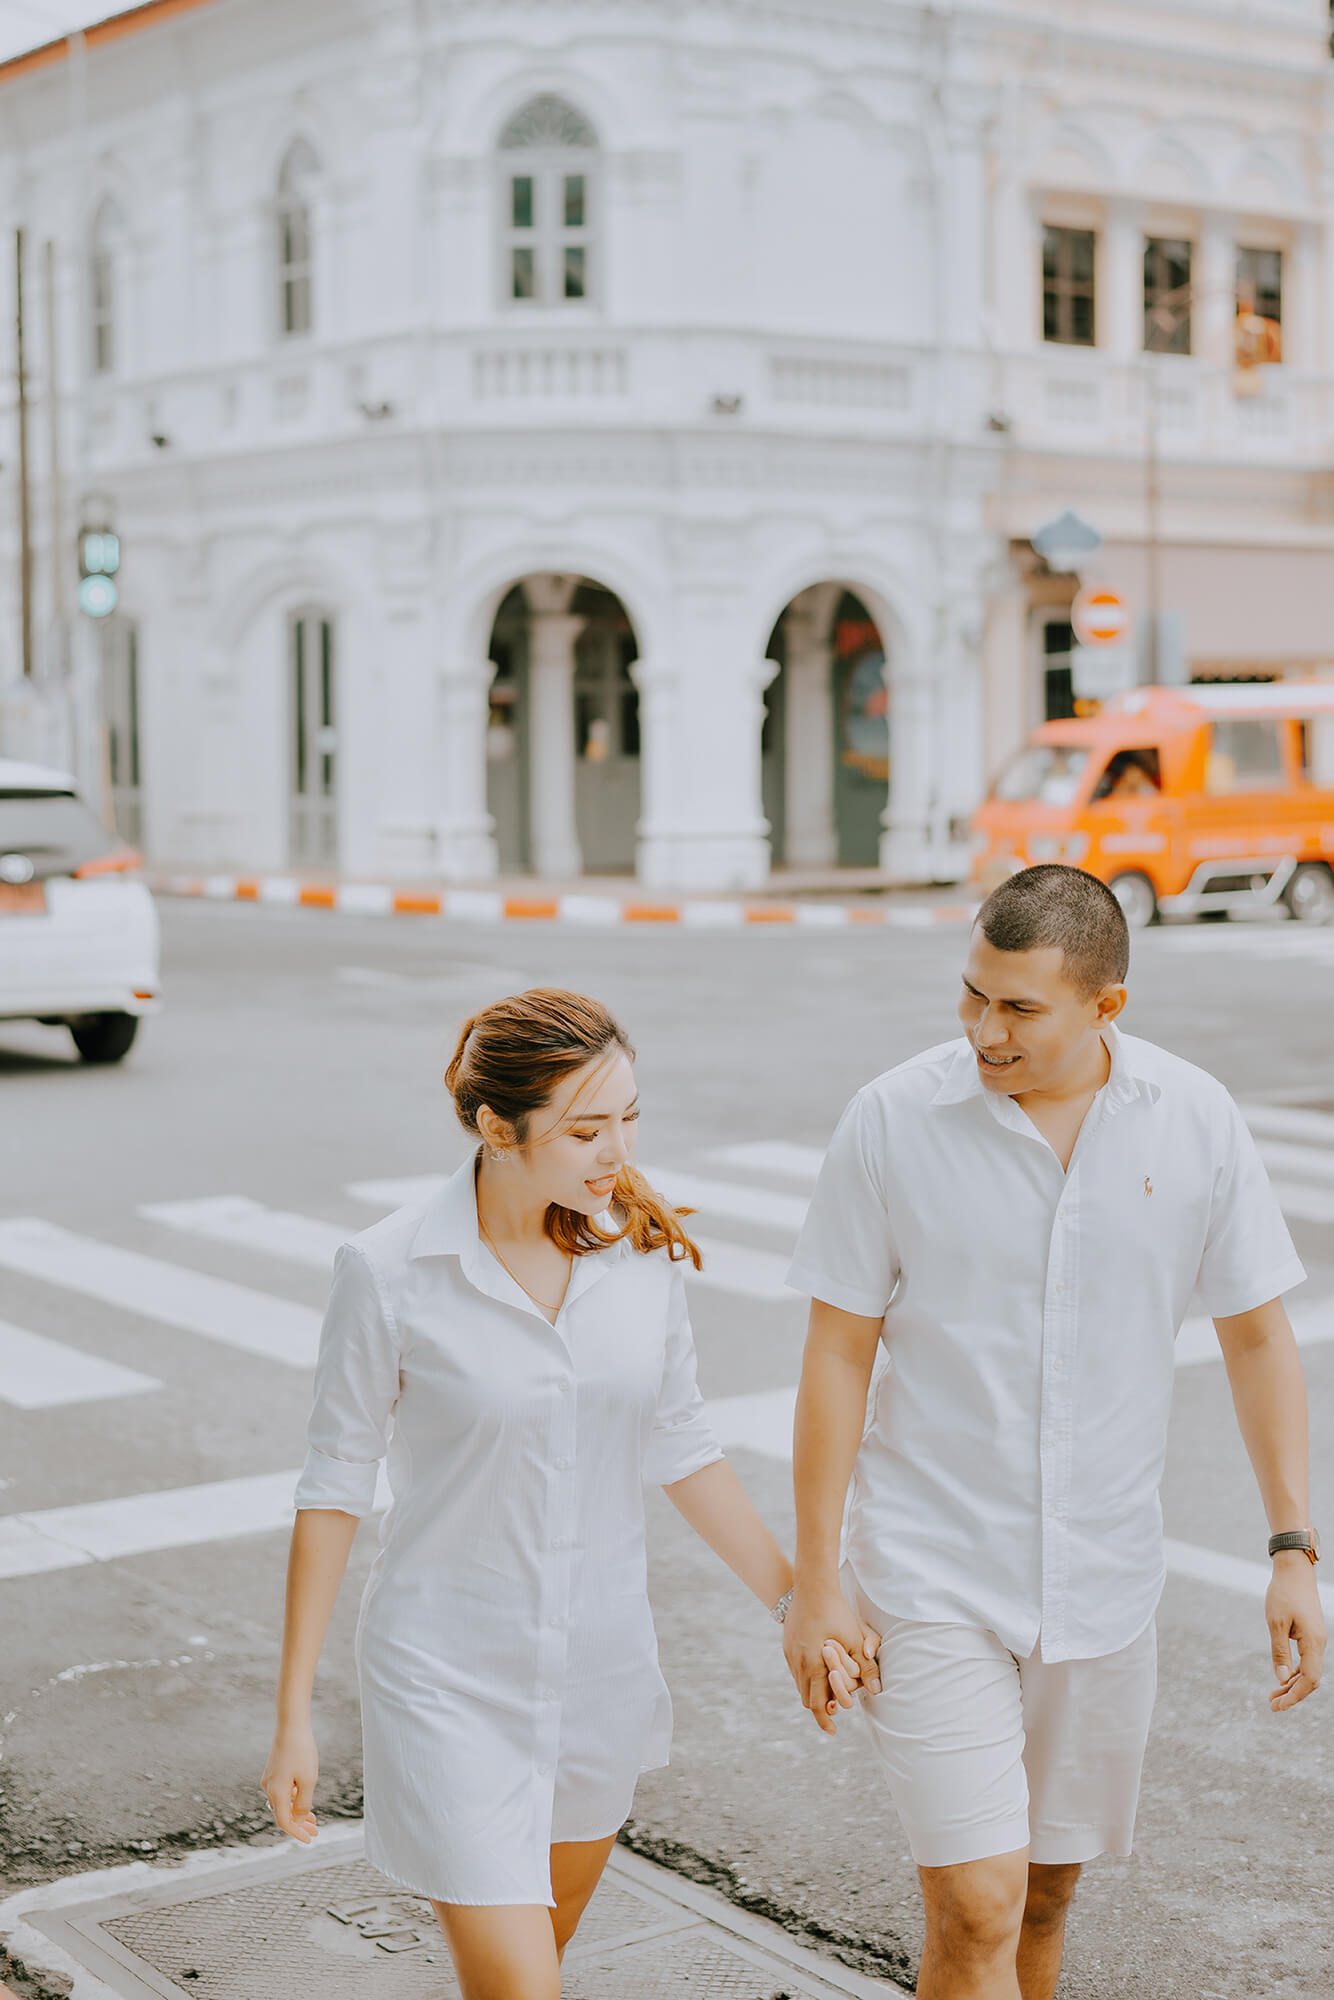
(576, 1870)
(505, 1952)
(513, 1951)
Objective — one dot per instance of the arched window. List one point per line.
(103, 258)
(548, 205)
(295, 305)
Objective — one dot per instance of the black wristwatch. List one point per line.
(1305, 1539)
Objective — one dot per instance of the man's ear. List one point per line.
(1110, 1002)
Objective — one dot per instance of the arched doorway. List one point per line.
(826, 743)
(563, 731)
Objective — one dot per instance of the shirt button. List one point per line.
(560, 1543)
(564, 1384)
(1060, 1284)
(562, 1465)
(1058, 1364)
(548, 1694)
(557, 1624)
(544, 1770)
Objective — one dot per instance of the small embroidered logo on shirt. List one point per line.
(1148, 1185)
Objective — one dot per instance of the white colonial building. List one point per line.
(587, 435)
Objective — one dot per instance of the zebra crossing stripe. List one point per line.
(728, 1267)
(217, 1308)
(1290, 1121)
(222, 1510)
(41, 1374)
(773, 1156)
(765, 1206)
(234, 1218)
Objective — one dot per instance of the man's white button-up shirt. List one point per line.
(1009, 1473)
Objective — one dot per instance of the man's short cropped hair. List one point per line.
(1065, 907)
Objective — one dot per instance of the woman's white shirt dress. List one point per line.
(510, 1687)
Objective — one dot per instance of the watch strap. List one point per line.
(1304, 1539)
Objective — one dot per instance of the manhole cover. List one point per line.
(282, 1924)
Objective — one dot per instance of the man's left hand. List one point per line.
(1294, 1615)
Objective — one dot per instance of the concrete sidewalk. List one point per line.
(321, 1924)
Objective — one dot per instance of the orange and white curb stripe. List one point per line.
(493, 906)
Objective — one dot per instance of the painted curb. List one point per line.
(492, 906)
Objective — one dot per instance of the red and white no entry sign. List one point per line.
(1099, 617)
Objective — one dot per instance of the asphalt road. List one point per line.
(299, 1057)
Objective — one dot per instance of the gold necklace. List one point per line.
(494, 1247)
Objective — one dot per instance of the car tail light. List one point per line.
(124, 861)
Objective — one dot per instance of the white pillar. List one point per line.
(703, 824)
(1215, 293)
(811, 835)
(466, 830)
(552, 632)
(1119, 312)
(905, 845)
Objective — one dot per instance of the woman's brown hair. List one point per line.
(510, 1058)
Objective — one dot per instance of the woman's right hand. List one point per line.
(289, 1781)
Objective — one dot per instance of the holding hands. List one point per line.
(830, 1654)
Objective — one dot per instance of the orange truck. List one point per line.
(1188, 801)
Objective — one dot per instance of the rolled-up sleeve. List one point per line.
(682, 1439)
(1248, 1254)
(356, 1388)
(846, 1253)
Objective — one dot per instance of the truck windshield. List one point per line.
(55, 831)
(1048, 773)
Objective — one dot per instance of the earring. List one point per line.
(499, 1153)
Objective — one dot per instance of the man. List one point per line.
(1022, 1218)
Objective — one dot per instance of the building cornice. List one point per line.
(132, 22)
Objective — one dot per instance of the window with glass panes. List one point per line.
(108, 232)
(1068, 258)
(1058, 681)
(1260, 283)
(1166, 295)
(295, 301)
(547, 158)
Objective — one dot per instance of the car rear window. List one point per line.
(55, 830)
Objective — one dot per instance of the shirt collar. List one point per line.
(449, 1229)
(1124, 1080)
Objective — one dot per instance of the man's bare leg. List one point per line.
(974, 1914)
(1042, 1938)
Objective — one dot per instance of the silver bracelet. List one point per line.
(781, 1609)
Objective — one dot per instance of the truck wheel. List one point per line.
(1310, 894)
(104, 1038)
(1139, 904)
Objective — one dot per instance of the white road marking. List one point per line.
(40, 1374)
(214, 1307)
(1249, 1579)
(761, 1421)
(730, 1198)
(1305, 1203)
(1290, 1121)
(392, 1194)
(736, 1268)
(1296, 1162)
(773, 1156)
(302, 1239)
(223, 1510)
(234, 1218)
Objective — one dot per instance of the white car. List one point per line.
(78, 929)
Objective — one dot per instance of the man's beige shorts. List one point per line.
(987, 1753)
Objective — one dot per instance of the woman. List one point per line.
(521, 1343)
